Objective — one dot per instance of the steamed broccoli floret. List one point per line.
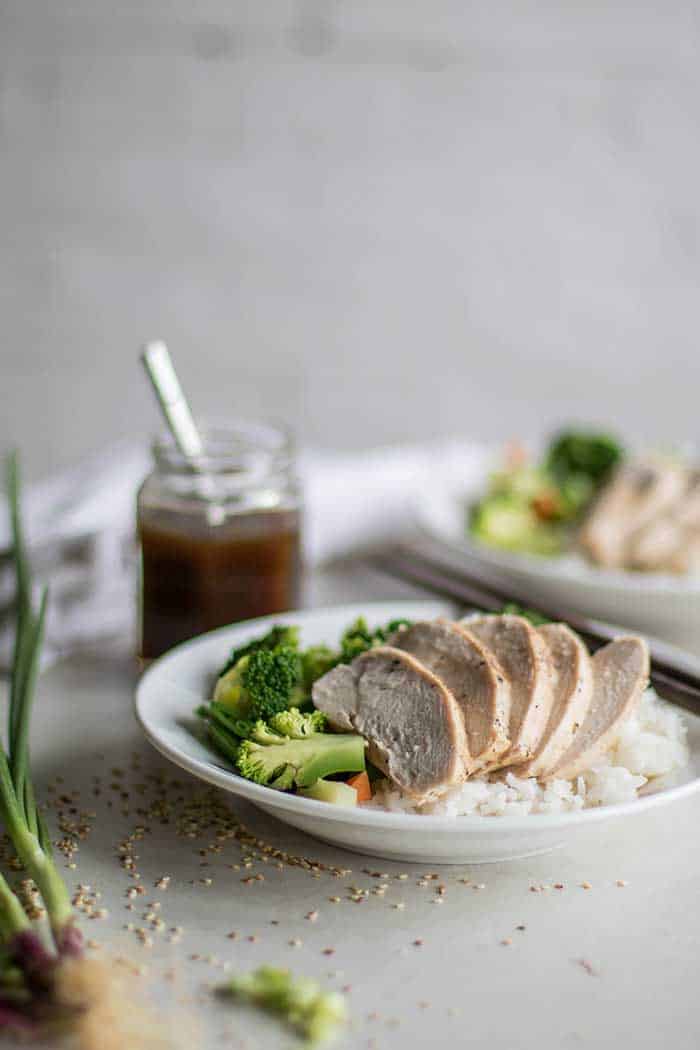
(282, 762)
(280, 634)
(358, 638)
(296, 725)
(315, 661)
(262, 733)
(270, 680)
(261, 683)
(314, 1014)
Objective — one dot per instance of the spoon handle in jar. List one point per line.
(171, 398)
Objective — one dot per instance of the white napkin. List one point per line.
(80, 527)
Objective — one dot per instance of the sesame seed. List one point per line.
(586, 886)
(622, 882)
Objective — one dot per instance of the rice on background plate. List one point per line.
(651, 744)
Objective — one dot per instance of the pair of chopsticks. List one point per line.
(678, 684)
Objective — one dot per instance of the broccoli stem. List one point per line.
(223, 743)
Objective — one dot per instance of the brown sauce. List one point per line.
(206, 577)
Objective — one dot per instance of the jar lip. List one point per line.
(242, 447)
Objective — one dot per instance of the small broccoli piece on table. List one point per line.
(280, 634)
(284, 762)
(315, 1014)
(261, 683)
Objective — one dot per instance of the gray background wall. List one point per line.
(378, 219)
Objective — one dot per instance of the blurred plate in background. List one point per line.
(659, 604)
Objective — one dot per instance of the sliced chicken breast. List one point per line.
(411, 721)
(522, 654)
(665, 544)
(620, 676)
(472, 675)
(656, 546)
(636, 495)
(573, 691)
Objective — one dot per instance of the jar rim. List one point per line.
(246, 448)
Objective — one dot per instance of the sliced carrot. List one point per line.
(362, 786)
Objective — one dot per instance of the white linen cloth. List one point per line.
(80, 527)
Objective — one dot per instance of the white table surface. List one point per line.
(608, 966)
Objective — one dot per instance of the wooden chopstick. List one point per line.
(677, 684)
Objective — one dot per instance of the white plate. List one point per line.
(174, 685)
(659, 604)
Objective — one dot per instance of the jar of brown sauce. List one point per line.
(220, 537)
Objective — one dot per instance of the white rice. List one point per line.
(651, 744)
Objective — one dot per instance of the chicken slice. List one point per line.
(637, 494)
(411, 721)
(620, 676)
(573, 691)
(665, 543)
(522, 654)
(472, 675)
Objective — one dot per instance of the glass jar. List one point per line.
(220, 537)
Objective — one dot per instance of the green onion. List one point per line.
(27, 965)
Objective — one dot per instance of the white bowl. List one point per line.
(658, 604)
(174, 685)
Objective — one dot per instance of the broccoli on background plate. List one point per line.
(535, 508)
